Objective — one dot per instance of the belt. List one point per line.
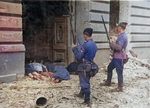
(84, 61)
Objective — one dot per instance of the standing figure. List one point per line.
(85, 55)
(119, 55)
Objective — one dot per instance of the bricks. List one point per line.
(12, 48)
(10, 22)
(10, 36)
(10, 8)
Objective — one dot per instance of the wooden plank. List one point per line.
(140, 21)
(11, 8)
(10, 36)
(96, 6)
(97, 17)
(142, 4)
(10, 22)
(140, 29)
(140, 12)
(140, 38)
(98, 27)
(99, 37)
(12, 48)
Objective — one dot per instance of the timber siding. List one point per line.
(140, 28)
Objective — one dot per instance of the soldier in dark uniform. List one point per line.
(85, 54)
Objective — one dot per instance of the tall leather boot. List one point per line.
(87, 96)
(81, 94)
(87, 100)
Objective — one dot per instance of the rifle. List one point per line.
(111, 50)
(106, 30)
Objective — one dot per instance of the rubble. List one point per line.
(22, 93)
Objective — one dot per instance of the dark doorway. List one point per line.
(39, 27)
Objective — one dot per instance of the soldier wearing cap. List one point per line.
(85, 53)
(119, 56)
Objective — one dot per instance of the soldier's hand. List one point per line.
(110, 57)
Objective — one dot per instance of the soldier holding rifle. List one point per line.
(119, 57)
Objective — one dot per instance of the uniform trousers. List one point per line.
(84, 78)
(115, 63)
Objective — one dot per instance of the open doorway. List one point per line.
(45, 30)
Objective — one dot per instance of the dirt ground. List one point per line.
(136, 93)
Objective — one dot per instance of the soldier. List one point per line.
(119, 56)
(85, 55)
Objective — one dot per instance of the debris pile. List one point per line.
(135, 93)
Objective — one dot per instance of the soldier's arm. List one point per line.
(78, 52)
(116, 46)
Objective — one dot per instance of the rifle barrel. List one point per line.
(105, 29)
